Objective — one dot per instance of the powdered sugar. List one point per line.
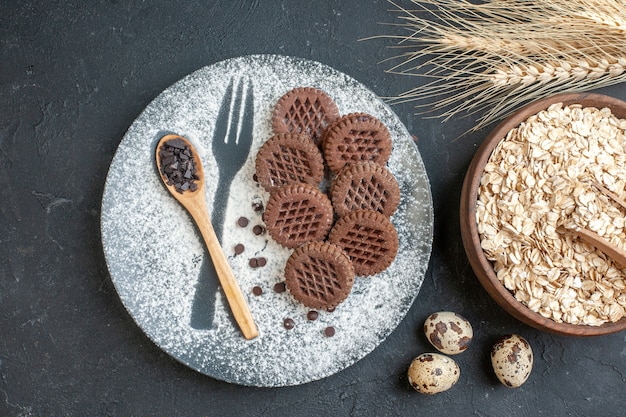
(154, 252)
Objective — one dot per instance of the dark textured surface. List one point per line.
(73, 77)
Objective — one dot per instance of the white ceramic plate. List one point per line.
(160, 267)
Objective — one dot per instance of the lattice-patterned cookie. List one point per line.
(368, 238)
(356, 137)
(289, 158)
(365, 185)
(319, 275)
(305, 110)
(297, 214)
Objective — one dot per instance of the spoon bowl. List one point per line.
(191, 197)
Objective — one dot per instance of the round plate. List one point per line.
(160, 267)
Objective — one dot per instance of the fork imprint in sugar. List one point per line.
(232, 140)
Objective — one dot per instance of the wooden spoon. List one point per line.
(612, 251)
(194, 202)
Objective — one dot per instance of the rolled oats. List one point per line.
(538, 181)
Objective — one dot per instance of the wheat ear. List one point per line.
(493, 56)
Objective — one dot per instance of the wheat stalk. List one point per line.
(493, 56)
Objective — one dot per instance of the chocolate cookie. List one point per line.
(305, 110)
(365, 185)
(297, 214)
(319, 275)
(368, 238)
(356, 137)
(288, 158)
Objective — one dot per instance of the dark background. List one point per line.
(73, 77)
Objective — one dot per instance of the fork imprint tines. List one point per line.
(231, 143)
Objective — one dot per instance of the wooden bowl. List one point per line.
(469, 229)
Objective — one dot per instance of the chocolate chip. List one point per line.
(258, 230)
(239, 248)
(177, 143)
(312, 315)
(329, 331)
(257, 206)
(255, 178)
(257, 290)
(242, 221)
(289, 323)
(330, 309)
(167, 160)
(280, 287)
(253, 262)
(261, 261)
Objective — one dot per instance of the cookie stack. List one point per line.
(346, 231)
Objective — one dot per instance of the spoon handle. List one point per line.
(238, 305)
(612, 251)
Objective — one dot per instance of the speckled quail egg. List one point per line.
(448, 332)
(431, 373)
(512, 360)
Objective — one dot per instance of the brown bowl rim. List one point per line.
(469, 229)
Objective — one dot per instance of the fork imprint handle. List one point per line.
(219, 205)
(236, 300)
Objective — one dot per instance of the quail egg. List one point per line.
(448, 332)
(431, 373)
(512, 360)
